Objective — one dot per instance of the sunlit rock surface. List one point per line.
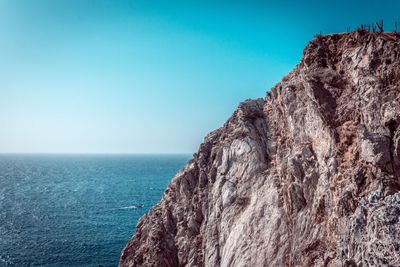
(308, 176)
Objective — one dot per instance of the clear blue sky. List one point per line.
(111, 76)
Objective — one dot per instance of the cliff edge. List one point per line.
(308, 176)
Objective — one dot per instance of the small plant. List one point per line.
(379, 25)
(318, 35)
(363, 29)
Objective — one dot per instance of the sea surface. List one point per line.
(76, 210)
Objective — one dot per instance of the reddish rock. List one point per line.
(308, 176)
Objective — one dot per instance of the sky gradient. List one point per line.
(109, 76)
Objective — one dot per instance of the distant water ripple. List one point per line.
(76, 210)
(132, 207)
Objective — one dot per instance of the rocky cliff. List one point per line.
(308, 176)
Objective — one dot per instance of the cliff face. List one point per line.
(308, 176)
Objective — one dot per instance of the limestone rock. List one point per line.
(308, 176)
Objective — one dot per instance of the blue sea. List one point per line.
(76, 210)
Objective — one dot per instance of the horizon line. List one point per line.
(95, 153)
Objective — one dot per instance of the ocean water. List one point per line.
(76, 210)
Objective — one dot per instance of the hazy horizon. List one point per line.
(148, 77)
(96, 153)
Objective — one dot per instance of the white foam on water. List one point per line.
(5, 260)
(132, 207)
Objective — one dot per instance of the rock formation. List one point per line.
(308, 176)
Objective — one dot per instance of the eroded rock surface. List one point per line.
(308, 176)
